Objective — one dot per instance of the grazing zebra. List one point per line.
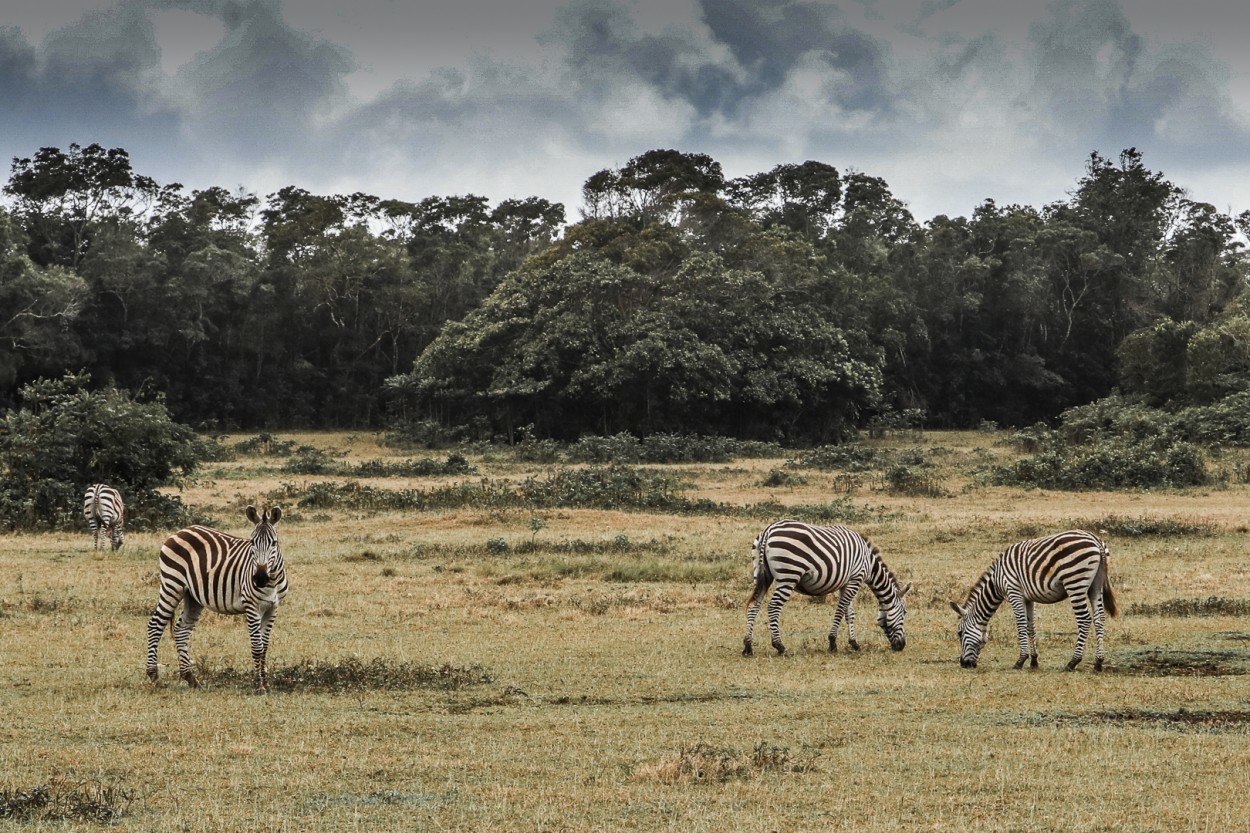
(1071, 565)
(816, 560)
(204, 568)
(106, 514)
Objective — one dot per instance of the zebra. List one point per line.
(203, 568)
(105, 512)
(816, 560)
(1070, 564)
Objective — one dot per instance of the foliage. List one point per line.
(67, 437)
(1108, 462)
(1140, 526)
(797, 305)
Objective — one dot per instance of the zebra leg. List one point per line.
(1022, 625)
(780, 596)
(1028, 614)
(1080, 606)
(753, 610)
(191, 611)
(156, 628)
(259, 626)
(845, 609)
(1100, 622)
(95, 535)
(118, 536)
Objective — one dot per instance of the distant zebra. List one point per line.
(1070, 565)
(203, 568)
(816, 560)
(106, 514)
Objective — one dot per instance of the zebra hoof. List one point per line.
(1097, 665)
(833, 645)
(190, 679)
(1019, 664)
(746, 649)
(1033, 661)
(152, 675)
(779, 648)
(1072, 665)
(854, 645)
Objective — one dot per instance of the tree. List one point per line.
(64, 198)
(38, 308)
(66, 437)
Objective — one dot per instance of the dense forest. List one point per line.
(792, 305)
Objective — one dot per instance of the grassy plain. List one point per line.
(480, 670)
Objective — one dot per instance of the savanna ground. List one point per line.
(581, 670)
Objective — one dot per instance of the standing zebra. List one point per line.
(1071, 565)
(205, 568)
(816, 560)
(106, 514)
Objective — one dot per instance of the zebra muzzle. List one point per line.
(261, 577)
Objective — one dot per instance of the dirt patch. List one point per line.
(1156, 663)
(1217, 721)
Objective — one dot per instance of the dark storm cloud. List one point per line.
(95, 79)
(1101, 80)
(602, 48)
(260, 89)
(770, 39)
(941, 98)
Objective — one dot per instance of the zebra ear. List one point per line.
(275, 514)
(961, 611)
(252, 516)
(903, 592)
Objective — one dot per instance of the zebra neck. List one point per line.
(881, 580)
(986, 596)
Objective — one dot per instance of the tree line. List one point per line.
(792, 305)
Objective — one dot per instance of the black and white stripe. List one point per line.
(1071, 565)
(816, 560)
(203, 568)
(106, 514)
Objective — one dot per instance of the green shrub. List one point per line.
(1108, 463)
(848, 457)
(65, 438)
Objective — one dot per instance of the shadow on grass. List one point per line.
(1157, 662)
(349, 675)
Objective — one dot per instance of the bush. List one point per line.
(1115, 463)
(65, 438)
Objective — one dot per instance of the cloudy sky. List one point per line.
(951, 101)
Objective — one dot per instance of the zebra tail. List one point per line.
(763, 578)
(1108, 596)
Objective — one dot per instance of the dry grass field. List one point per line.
(581, 670)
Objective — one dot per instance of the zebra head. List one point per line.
(266, 554)
(890, 616)
(971, 635)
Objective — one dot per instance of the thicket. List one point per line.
(613, 487)
(792, 306)
(66, 437)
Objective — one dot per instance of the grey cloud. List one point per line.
(770, 40)
(1113, 89)
(259, 90)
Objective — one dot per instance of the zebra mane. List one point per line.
(878, 567)
(984, 586)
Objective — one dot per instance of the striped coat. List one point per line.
(817, 560)
(105, 512)
(1070, 565)
(202, 568)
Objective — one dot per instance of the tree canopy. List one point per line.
(791, 304)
